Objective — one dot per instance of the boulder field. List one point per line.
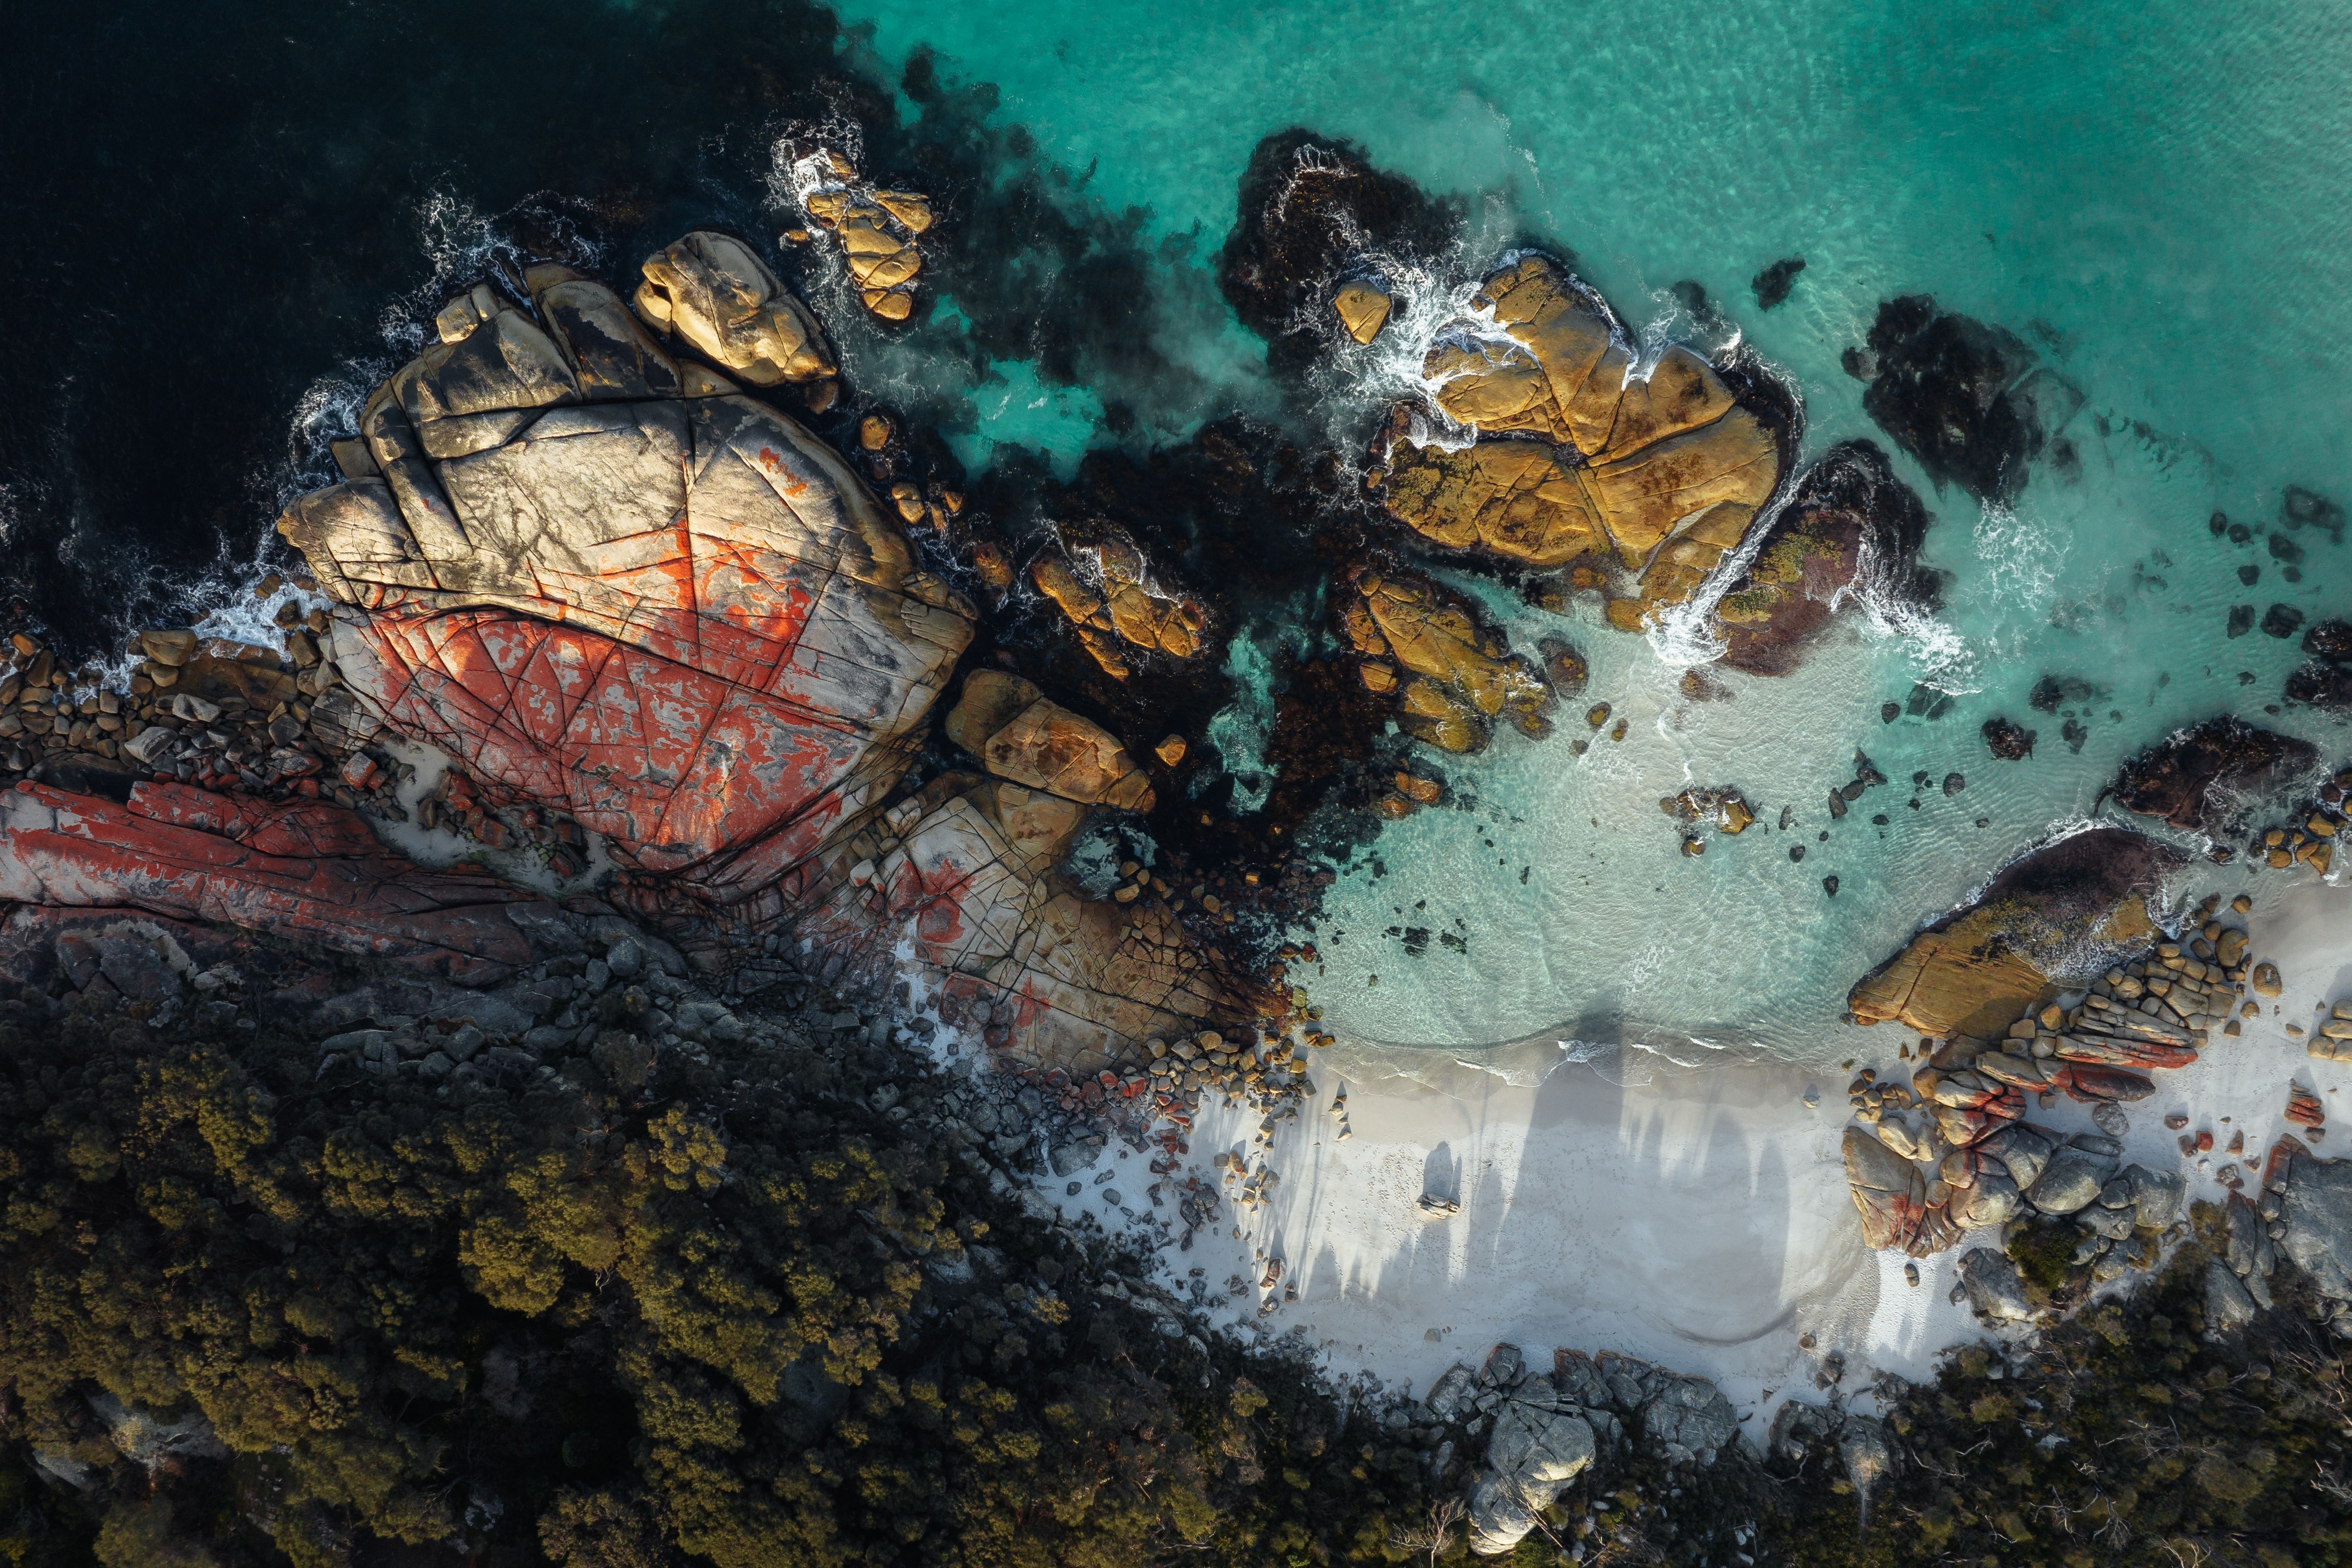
(630, 600)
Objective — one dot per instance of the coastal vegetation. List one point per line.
(766, 1310)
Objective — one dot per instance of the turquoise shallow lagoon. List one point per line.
(2149, 194)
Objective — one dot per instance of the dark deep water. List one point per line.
(206, 209)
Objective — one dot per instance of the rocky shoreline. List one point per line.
(764, 710)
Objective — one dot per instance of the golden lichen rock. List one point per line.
(2061, 913)
(1576, 457)
(1109, 592)
(1019, 734)
(1458, 678)
(1362, 308)
(714, 292)
(877, 229)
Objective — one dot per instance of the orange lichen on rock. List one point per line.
(2067, 906)
(1109, 592)
(1458, 677)
(1660, 474)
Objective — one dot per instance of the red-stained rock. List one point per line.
(2088, 1083)
(625, 592)
(1888, 1190)
(296, 868)
(685, 623)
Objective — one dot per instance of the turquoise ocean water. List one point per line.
(2150, 194)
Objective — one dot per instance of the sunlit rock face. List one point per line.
(1576, 458)
(614, 584)
(680, 619)
(2059, 912)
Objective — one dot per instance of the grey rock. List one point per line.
(1530, 1456)
(1994, 1199)
(2315, 1211)
(2024, 1151)
(2156, 1196)
(2075, 1175)
(1504, 1367)
(2229, 1305)
(2109, 1118)
(2114, 1224)
(1686, 1419)
(1069, 1157)
(136, 965)
(1797, 1427)
(1869, 1458)
(151, 745)
(1449, 1397)
(1995, 1290)
(149, 1440)
(371, 1044)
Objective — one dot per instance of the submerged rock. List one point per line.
(2059, 912)
(1653, 479)
(1964, 399)
(2175, 779)
(1772, 284)
(1849, 528)
(2009, 741)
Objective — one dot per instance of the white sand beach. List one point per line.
(1699, 1219)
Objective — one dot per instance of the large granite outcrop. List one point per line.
(1850, 526)
(2063, 910)
(1652, 477)
(624, 595)
(2181, 779)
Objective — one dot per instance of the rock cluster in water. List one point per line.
(1849, 526)
(1650, 479)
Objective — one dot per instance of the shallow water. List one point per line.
(2142, 192)
(2150, 194)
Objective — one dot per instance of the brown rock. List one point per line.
(1106, 588)
(2061, 912)
(710, 291)
(2265, 979)
(1019, 734)
(1171, 750)
(1459, 679)
(2175, 779)
(173, 648)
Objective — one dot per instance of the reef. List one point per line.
(1318, 225)
(1969, 400)
(2185, 780)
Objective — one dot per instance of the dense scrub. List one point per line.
(762, 1312)
(754, 1313)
